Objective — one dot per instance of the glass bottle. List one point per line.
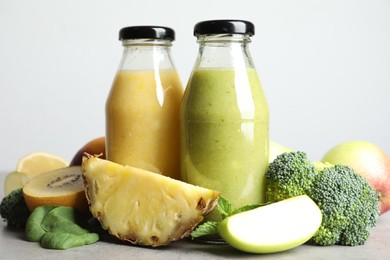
(142, 109)
(224, 116)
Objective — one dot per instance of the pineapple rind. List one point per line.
(143, 207)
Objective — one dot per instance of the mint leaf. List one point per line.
(207, 228)
(247, 207)
(225, 208)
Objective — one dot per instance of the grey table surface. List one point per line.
(14, 246)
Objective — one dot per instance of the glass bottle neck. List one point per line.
(223, 38)
(224, 51)
(146, 54)
(146, 42)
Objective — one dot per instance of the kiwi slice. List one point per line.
(61, 187)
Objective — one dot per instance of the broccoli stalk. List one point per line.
(13, 209)
(349, 205)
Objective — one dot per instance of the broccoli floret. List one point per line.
(349, 205)
(289, 175)
(13, 209)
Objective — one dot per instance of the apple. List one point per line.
(368, 160)
(272, 228)
(96, 146)
(13, 181)
(276, 149)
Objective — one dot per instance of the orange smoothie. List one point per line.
(142, 120)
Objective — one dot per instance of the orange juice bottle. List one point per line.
(142, 109)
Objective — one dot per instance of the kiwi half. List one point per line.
(61, 187)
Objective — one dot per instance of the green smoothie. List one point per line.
(224, 134)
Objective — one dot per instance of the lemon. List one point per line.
(36, 163)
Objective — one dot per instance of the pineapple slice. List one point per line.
(143, 207)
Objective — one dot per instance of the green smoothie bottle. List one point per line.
(224, 116)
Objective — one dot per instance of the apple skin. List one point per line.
(13, 181)
(368, 160)
(276, 149)
(272, 228)
(96, 146)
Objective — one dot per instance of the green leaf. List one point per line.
(207, 228)
(247, 207)
(58, 228)
(67, 240)
(225, 208)
(63, 220)
(34, 229)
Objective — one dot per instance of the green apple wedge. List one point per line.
(13, 181)
(275, 149)
(272, 228)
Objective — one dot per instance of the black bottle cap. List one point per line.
(224, 27)
(147, 32)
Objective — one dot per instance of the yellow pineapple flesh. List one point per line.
(143, 207)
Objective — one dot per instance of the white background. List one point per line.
(324, 65)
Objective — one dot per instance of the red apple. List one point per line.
(96, 146)
(369, 161)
